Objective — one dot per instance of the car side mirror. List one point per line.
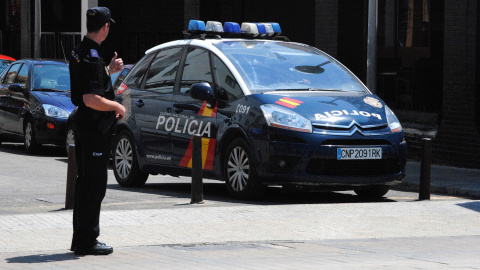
(202, 91)
(17, 88)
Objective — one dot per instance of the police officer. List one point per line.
(92, 92)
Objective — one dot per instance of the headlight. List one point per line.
(392, 120)
(54, 111)
(280, 117)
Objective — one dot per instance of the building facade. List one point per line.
(427, 66)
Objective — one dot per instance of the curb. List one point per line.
(441, 189)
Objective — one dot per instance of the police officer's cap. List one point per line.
(98, 16)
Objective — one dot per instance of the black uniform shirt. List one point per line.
(88, 75)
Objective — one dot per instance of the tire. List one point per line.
(373, 192)
(30, 143)
(239, 171)
(70, 139)
(125, 162)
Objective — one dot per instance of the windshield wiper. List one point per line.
(313, 89)
(327, 90)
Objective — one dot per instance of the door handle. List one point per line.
(140, 103)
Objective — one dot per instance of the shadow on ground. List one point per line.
(43, 258)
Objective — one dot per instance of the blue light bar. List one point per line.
(231, 27)
(269, 29)
(276, 28)
(261, 29)
(195, 25)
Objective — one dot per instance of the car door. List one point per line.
(152, 106)
(5, 106)
(17, 101)
(191, 116)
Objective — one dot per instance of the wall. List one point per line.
(141, 25)
(326, 26)
(458, 139)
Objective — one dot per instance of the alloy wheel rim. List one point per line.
(238, 169)
(123, 158)
(28, 135)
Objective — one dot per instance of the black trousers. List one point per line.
(92, 151)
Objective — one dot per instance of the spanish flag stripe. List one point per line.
(202, 108)
(293, 100)
(214, 112)
(205, 142)
(207, 111)
(289, 102)
(286, 104)
(210, 155)
(187, 158)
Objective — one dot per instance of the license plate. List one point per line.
(359, 153)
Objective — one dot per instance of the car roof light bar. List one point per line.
(269, 29)
(261, 29)
(213, 26)
(232, 27)
(276, 28)
(214, 29)
(249, 29)
(196, 26)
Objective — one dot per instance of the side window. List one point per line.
(120, 78)
(136, 75)
(22, 76)
(228, 88)
(196, 69)
(12, 73)
(162, 72)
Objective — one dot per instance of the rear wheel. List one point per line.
(125, 162)
(372, 191)
(30, 143)
(239, 171)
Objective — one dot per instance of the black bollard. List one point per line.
(197, 172)
(71, 177)
(425, 170)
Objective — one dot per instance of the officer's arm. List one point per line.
(100, 103)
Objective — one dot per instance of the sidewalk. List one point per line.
(436, 234)
(433, 234)
(444, 180)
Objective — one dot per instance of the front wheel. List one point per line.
(239, 171)
(125, 162)
(30, 143)
(372, 192)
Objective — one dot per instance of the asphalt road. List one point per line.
(37, 184)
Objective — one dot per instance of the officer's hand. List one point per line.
(116, 64)
(120, 111)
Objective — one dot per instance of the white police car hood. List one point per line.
(331, 108)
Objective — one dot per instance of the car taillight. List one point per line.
(121, 89)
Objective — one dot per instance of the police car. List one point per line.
(269, 112)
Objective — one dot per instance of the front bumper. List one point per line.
(47, 135)
(311, 159)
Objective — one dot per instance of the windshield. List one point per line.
(270, 66)
(51, 77)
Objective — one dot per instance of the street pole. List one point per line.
(197, 171)
(372, 46)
